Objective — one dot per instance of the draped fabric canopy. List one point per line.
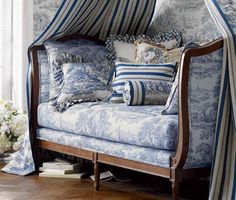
(223, 177)
(99, 18)
(103, 17)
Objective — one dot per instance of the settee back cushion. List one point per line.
(190, 17)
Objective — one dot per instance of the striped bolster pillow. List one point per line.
(140, 72)
(146, 92)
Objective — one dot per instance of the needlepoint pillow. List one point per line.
(83, 82)
(143, 72)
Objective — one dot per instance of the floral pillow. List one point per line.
(83, 82)
(70, 51)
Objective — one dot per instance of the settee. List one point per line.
(139, 138)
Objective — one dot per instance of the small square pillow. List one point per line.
(82, 82)
(170, 39)
(146, 92)
(143, 72)
(70, 51)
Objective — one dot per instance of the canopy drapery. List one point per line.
(101, 18)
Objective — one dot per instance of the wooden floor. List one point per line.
(142, 187)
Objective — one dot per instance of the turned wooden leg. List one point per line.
(175, 190)
(38, 158)
(176, 178)
(96, 175)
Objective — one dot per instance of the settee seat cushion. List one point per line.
(136, 125)
(145, 155)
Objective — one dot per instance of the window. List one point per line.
(1, 46)
(5, 48)
(16, 34)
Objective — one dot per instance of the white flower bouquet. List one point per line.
(13, 125)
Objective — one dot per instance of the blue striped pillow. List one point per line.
(142, 72)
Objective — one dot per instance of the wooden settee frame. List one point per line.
(176, 173)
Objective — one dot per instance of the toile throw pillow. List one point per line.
(70, 51)
(83, 82)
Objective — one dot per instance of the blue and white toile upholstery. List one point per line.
(203, 88)
(145, 126)
(142, 128)
(142, 133)
(44, 78)
(142, 125)
(146, 155)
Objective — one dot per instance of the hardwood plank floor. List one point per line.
(143, 187)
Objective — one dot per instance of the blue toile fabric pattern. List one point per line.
(140, 125)
(70, 51)
(83, 82)
(146, 155)
(203, 89)
(22, 161)
(190, 17)
(44, 77)
(146, 92)
(171, 106)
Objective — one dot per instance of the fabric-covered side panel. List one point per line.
(44, 79)
(190, 17)
(141, 154)
(204, 88)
